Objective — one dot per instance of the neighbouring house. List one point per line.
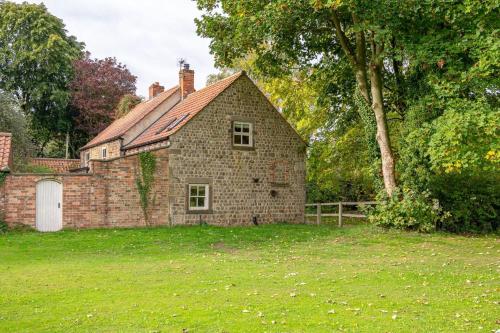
(223, 155)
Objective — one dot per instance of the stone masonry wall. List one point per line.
(267, 182)
(108, 197)
(113, 151)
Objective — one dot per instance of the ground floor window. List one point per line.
(198, 196)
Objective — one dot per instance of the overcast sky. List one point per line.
(148, 36)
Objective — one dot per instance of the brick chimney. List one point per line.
(155, 89)
(186, 80)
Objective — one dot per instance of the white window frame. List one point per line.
(241, 134)
(104, 152)
(207, 197)
(86, 158)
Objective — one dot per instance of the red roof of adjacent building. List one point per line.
(58, 165)
(5, 151)
(182, 112)
(122, 125)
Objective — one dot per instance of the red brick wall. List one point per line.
(20, 198)
(118, 184)
(58, 165)
(106, 198)
(2, 200)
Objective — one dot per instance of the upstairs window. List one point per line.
(104, 152)
(198, 196)
(242, 134)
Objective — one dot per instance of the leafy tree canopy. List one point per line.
(36, 59)
(126, 103)
(419, 78)
(96, 89)
(12, 120)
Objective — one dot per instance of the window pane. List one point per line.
(193, 191)
(201, 191)
(246, 128)
(245, 140)
(237, 127)
(192, 202)
(237, 139)
(201, 202)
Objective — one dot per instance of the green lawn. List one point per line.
(277, 278)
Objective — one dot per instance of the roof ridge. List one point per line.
(232, 76)
(5, 134)
(151, 125)
(120, 125)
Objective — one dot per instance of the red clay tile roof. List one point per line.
(122, 125)
(181, 113)
(58, 165)
(5, 151)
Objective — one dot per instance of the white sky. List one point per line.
(148, 36)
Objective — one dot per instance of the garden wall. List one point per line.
(107, 197)
(57, 165)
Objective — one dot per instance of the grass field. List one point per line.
(277, 278)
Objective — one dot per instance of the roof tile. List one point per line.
(120, 126)
(182, 112)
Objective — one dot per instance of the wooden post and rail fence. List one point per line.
(340, 214)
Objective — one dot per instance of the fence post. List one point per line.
(340, 214)
(318, 214)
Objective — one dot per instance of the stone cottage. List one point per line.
(224, 155)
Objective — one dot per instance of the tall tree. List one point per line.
(126, 104)
(36, 64)
(13, 120)
(286, 34)
(96, 90)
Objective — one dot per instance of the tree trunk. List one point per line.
(67, 144)
(357, 58)
(383, 140)
(362, 81)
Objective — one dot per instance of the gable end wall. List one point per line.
(202, 149)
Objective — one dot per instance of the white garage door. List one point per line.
(48, 205)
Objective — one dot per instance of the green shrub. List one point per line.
(3, 224)
(30, 168)
(407, 210)
(19, 227)
(472, 200)
(454, 158)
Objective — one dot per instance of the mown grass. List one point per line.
(279, 278)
